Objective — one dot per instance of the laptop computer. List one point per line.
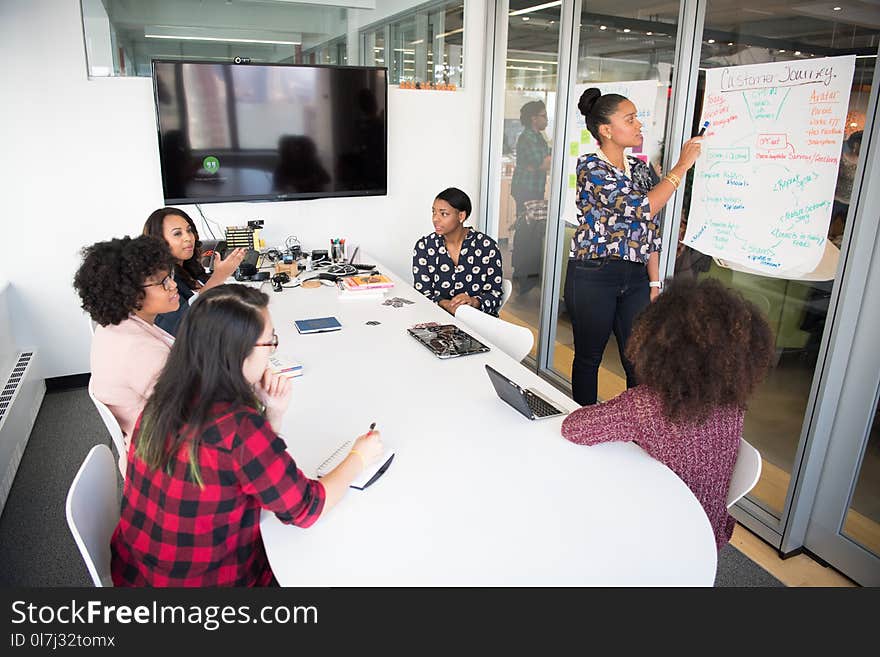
(447, 340)
(526, 401)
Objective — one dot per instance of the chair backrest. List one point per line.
(746, 472)
(93, 511)
(515, 341)
(110, 422)
(506, 289)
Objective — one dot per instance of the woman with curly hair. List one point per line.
(178, 230)
(124, 285)
(700, 350)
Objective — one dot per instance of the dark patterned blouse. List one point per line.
(613, 211)
(478, 273)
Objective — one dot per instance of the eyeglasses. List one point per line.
(166, 282)
(273, 344)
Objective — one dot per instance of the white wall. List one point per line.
(82, 165)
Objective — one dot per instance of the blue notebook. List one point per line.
(317, 325)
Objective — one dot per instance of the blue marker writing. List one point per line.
(703, 129)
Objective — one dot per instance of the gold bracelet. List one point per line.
(673, 179)
(361, 457)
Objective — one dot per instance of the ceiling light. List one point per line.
(730, 43)
(711, 41)
(445, 34)
(836, 8)
(797, 52)
(180, 37)
(603, 27)
(626, 30)
(780, 51)
(649, 33)
(526, 18)
(529, 10)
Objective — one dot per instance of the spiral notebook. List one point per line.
(370, 474)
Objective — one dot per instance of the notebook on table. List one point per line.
(447, 340)
(528, 402)
(317, 325)
(370, 474)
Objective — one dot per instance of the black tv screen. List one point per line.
(270, 132)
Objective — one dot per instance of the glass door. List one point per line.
(737, 35)
(523, 173)
(627, 49)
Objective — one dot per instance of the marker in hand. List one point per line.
(703, 129)
(372, 426)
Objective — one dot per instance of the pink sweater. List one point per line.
(126, 360)
(702, 455)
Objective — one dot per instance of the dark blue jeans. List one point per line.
(602, 296)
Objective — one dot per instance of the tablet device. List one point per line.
(447, 340)
(317, 325)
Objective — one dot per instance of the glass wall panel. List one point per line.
(748, 32)
(122, 36)
(862, 522)
(424, 46)
(628, 49)
(529, 115)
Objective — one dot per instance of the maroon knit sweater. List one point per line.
(702, 455)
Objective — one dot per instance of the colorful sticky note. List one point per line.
(572, 181)
(573, 149)
(585, 136)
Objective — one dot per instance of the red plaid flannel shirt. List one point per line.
(172, 532)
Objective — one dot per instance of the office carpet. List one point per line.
(36, 548)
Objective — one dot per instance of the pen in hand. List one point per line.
(703, 129)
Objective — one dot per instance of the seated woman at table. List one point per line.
(457, 264)
(124, 285)
(700, 350)
(206, 457)
(179, 232)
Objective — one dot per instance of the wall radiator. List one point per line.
(20, 400)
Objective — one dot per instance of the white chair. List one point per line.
(506, 289)
(746, 472)
(109, 422)
(515, 341)
(93, 512)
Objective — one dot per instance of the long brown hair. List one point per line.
(191, 271)
(699, 346)
(204, 367)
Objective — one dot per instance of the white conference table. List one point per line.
(477, 495)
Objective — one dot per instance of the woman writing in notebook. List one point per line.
(613, 269)
(700, 351)
(179, 232)
(207, 458)
(455, 264)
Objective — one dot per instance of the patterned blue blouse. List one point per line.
(613, 211)
(478, 273)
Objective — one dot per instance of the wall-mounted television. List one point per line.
(270, 132)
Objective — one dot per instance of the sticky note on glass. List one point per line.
(585, 136)
(573, 148)
(572, 181)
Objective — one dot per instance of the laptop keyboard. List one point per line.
(540, 407)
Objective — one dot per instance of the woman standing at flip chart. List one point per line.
(613, 268)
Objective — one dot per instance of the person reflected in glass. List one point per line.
(124, 284)
(613, 267)
(179, 232)
(456, 264)
(701, 350)
(206, 456)
(529, 184)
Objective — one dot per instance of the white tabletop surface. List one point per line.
(477, 495)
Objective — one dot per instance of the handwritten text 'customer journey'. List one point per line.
(764, 186)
